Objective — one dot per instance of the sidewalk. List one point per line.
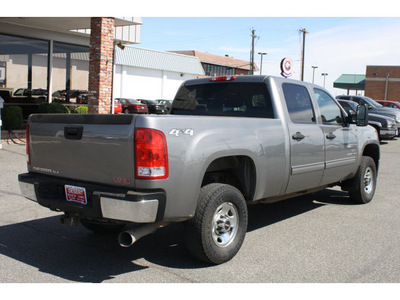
(16, 137)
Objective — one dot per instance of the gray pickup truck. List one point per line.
(228, 142)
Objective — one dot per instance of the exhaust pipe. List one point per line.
(129, 237)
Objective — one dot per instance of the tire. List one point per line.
(217, 230)
(102, 227)
(127, 111)
(363, 185)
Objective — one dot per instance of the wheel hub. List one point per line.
(225, 224)
(368, 180)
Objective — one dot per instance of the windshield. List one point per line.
(133, 101)
(150, 102)
(224, 99)
(373, 102)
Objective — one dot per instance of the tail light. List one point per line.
(223, 78)
(28, 152)
(151, 154)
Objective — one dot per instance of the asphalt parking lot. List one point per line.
(319, 238)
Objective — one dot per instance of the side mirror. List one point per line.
(351, 116)
(362, 115)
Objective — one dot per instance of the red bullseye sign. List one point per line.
(286, 67)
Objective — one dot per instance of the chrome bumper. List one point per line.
(137, 207)
(144, 211)
(388, 132)
(28, 191)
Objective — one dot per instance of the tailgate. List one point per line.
(93, 148)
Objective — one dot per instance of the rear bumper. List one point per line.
(103, 202)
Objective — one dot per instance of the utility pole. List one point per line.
(253, 36)
(304, 31)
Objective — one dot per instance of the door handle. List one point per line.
(73, 132)
(298, 136)
(330, 136)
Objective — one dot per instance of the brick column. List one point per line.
(101, 65)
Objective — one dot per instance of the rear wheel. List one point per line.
(363, 185)
(217, 230)
(126, 111)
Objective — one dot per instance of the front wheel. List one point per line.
(217, 230)
(364, 183)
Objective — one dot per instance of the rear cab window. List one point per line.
(230, 99)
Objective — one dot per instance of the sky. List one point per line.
(336, 45)
(343, 37)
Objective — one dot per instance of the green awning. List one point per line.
(350, 82)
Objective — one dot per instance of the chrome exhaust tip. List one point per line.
(129, 237)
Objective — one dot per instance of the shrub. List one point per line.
(12, 118)
(53, 108)
(81, 110)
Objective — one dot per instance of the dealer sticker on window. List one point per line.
(75, 194)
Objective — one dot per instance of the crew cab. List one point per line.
(228, 142)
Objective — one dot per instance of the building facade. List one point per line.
(383, 83)
(42, 59)
(216, 65)
(150, 74)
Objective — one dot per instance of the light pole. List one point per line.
(262, 54)
(313, 72)
(386, 85)
(324, 74)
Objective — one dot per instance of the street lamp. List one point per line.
(262, 54)
(313, 72)
(324, 74)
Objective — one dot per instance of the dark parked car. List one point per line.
(77, 96)
(167, 103)
(391, 104)
(82, 98)
(59, 96)
(22, 95)
(132, 106)
(374, 107)
(154, 107)
(30, 93)
(385, 126)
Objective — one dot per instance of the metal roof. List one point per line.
(158, 60)
(350, 82)
(127, 29)
(218, 60)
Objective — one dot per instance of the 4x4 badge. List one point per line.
(178, 132)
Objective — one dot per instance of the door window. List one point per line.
(331, 114)
(298, 102)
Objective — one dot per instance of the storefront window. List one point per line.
(70, 73)
(23, 68)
